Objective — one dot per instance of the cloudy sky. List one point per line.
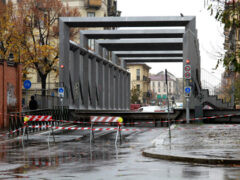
(209, 30)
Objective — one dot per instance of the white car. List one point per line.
(152, 109)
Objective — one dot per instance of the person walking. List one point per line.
(33, 103)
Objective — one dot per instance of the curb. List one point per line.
(191, 159)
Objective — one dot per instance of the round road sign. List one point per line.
(187, 89)
(187, 68)
(187, 75)
(27, 84)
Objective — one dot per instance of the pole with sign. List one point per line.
(187, 89)
(187, 93)
(61, 95)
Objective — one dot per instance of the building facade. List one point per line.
(140, 80)
(158, 88)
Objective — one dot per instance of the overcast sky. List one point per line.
(209, 30)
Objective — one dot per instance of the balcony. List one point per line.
(146, 79)
(96, 4)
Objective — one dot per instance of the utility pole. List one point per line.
(169, 122)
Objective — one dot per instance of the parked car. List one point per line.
(135, 107)
(178, 105)
(152, 109)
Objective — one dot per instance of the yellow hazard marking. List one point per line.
(26, 119)
(120, 119)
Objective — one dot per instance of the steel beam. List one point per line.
(142, 44)
(147, 54)
(140, 21)
(158, 59)
(119, 34)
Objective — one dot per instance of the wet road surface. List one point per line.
(73, 157)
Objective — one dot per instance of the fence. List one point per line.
(50, 100)
(16, 120)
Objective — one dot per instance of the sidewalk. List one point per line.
(197, 143)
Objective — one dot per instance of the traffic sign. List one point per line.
(187, 71)
(61, 92)
(187, 91)
(27, 84)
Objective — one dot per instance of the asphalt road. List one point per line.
(73, 157)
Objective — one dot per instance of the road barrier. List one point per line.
(17, 121)
(89, 128)
(38, 118)
(106, 119)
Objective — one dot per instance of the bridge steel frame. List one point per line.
(102, 84)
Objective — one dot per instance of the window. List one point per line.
(153, 84)
(138, 75)
(138, 87)
(159, 90)
(158, 84)
(90, 14)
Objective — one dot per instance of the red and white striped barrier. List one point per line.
(12, 132)
(37, 118)
(88, 128)
(104, 119)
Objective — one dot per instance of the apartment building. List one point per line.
(158, 88)
(140, 80)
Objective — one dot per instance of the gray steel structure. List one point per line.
(93, 82)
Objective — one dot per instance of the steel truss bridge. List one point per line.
(97, 81)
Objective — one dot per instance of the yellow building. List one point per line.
(140, 80)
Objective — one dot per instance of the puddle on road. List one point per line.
(34, 155)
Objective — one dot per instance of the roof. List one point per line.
(161, 77)
(143, 64)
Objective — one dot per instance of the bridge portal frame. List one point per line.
(106, 71)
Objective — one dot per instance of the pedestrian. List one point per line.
(33, 103)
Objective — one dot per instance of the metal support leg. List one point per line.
(24, 129)
(91, 133)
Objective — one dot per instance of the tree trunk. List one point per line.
(43, 80)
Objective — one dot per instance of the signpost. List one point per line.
(61, 95)
(61, 92)
(187, 89)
